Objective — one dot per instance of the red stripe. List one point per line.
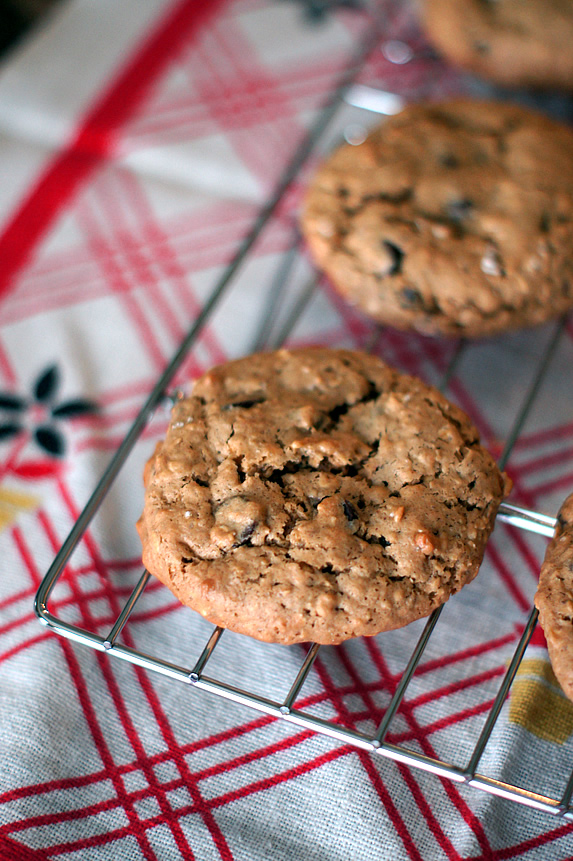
(545, 462)
(463, 654)
(432, 822)
(336, 698)
(12, 851)
(162, 724)
(95, 139)
(535, 843)
(418, 733)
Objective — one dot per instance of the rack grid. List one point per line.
(368, 99)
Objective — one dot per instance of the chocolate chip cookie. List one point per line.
(554, 598)
(452, 218)
(316, 495)
(515, 43)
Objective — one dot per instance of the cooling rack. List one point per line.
(279, 315)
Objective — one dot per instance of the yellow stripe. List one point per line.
(5, 520)
(16, 499)
(541, 711)
(13, 503)
(538, 667)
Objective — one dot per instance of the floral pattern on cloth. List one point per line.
(318, 10)
(37, 420)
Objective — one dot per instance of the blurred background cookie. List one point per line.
(452, 219)
(516, 43)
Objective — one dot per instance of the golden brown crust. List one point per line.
(453, 218)
(554, 598)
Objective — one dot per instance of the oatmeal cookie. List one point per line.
(554, 598)
(316, 495)
(452, 218)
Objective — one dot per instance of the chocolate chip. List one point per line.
(336, 413)
(411, 298)
(396, 257)
(482, 48)
(245, 533)
(244, 404)
(545, 223)
(459, 210)
(448, 159)
(275, 476)
(349, 511)
(384, 541)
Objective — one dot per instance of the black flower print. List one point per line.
(318, 10)
(42, 412)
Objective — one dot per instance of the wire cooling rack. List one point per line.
(274, 327)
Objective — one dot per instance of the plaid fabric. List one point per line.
(138, 143)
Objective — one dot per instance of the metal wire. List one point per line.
(284, 708)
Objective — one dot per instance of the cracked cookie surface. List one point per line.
(516, 43)
(316, 495)
(554, 598)
(452, 218)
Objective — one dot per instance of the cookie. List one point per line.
(453, 219)
(514, 43)
(554, 598)
(316, 495)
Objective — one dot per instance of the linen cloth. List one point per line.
(138, 142)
